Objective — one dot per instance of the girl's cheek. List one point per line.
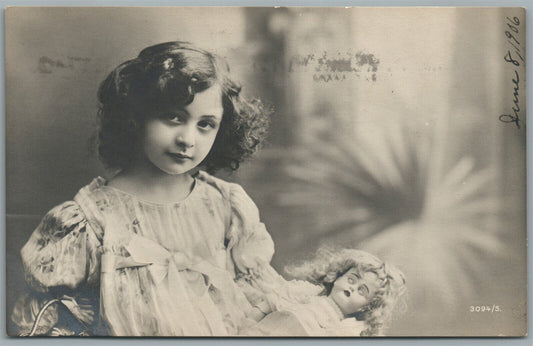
(212, 140)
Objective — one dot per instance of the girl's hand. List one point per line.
(256, 314)
(245, 263)
(259, 311)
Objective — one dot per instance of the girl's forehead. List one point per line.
(207, 102)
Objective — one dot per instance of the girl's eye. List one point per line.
(351, 280)
(205, 125)
(173, 118)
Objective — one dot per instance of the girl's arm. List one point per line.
(60, 260)
(250, 250)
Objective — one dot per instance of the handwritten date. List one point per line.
(513, 57)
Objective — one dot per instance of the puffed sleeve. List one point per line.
(249, 242)
(62, 250)
(60, 256)
(252, 249)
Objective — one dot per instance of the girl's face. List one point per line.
(177, 140)
(354, 290)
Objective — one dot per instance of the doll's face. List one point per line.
(176, 141)
(354, 290)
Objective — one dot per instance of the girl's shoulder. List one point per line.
(73, 211)
(227, 190)
(97, 197)
(241, 205)
(213, 181)
(92, 201)
(93, 189)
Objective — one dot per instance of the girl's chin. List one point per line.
(176, 169)
(177, 172)
(169, 170)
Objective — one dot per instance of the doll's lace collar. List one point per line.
(335, 307)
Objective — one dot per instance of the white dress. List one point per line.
(317, 317)
(153, 269)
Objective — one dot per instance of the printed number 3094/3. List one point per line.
(485, 308)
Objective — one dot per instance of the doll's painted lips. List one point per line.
(347, 293)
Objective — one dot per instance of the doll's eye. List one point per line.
(352, 278)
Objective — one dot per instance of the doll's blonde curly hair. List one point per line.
(329, 264)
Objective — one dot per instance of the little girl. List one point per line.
(154, 250)
(359, 294)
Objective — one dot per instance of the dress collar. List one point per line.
(335, 308)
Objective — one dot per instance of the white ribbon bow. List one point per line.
(163, 264)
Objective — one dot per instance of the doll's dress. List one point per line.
(317, 317)
(143, 268)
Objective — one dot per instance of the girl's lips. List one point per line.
(347, 293)
(180, 156)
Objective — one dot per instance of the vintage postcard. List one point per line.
(266, 172)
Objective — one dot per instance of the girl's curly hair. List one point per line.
(329, 264)
(168, 75)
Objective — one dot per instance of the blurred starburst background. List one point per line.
(386, 138)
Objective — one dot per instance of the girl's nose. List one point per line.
(185, 137)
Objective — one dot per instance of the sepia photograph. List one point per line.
(265, 172)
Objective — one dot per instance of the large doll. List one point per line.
(359, 294)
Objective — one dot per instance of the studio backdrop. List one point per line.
(395, 131)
